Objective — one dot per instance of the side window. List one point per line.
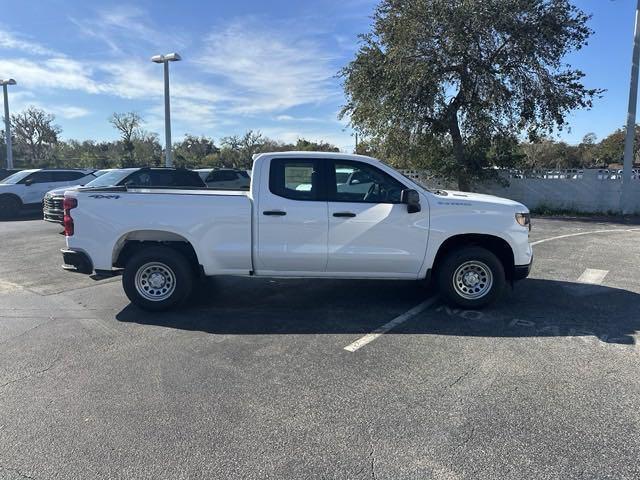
(66, 176)
(361, 182)
(139, 179)
(183, 178)
(222, 176)
(79, 175)
(39, 177)
(161, 178)
(297, 179)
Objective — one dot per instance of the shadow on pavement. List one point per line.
(535, 308)
(27, 214)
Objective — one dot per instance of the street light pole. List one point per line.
(625, 198)
(167, 118)
(165, 59)
(7, 120)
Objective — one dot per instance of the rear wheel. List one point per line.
(10, 206)
(471, 277)
(157, 278)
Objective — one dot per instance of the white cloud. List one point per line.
(12, 41)
(69, 111)
(129, 80)
(123, 27)
(185, 112)
(59, 73)
(290, 118)
(23, 99)
(270, 69)
(133, 80)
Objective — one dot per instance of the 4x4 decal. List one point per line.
(99, 196)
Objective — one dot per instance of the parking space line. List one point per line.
(593, 276)
(7, 286)
(370, 337)
(616, 230)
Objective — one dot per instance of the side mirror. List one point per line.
(28, 182)
(411, 198)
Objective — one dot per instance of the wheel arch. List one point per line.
(132, 242)
(497, 245)
(12, 195)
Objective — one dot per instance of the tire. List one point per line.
(10, 206)
(157, 278)
(471, 278)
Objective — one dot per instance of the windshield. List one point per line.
(109, 179)
(16, 177)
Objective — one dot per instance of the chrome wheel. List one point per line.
(155, 281)
(472, 280)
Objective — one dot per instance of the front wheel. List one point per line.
(471, 277)
(9, 206)
(157, 278)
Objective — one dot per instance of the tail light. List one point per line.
(68, 204)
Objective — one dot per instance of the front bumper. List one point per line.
(521, 272)
(76, 261)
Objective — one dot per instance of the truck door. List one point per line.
(292, 217)
(371, 232)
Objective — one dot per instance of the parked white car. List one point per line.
(28, 187)
(161, 239)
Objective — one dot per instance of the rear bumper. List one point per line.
(522, 271)
(76, 261)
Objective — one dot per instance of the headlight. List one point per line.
(524, 219)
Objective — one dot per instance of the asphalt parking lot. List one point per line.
(253, 380)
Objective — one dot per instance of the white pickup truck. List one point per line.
(307, 214)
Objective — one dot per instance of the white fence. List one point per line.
(588, 190)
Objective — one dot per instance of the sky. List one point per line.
(247, 64)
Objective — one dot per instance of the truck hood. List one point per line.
(61, 190)
(480, 199)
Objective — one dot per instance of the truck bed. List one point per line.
(219, 219)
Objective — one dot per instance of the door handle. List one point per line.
(344, 214)
(274, 213)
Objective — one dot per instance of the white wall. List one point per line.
(588, 191)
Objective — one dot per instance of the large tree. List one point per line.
(468, 75)
(611, 148)
(194, 151)
(129, 125)
(35, 136)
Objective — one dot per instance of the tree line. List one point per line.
(37, 143)
(543, 153)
